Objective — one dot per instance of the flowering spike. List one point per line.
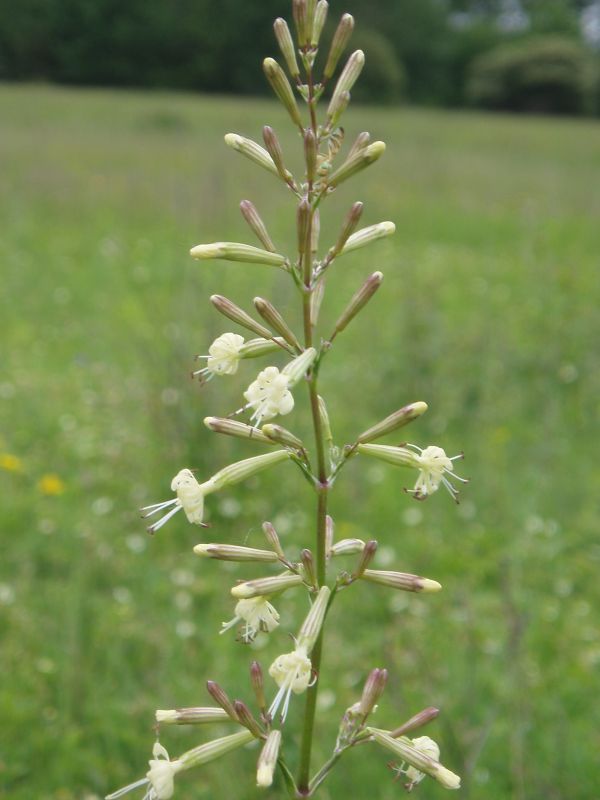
(271, 316)
(238, 429)
(191, 716)
(367, 235)
(252, 150)
(366, 557)
(396, 420)
(281, 86)
(401, 580)
(256, 224)
(267, 761)
(358, 302)
(234, 251)
(340, 39)
(420, 719)
(422, 754)
(236, 314)
(311, 627)
(346, 81)
(232, 552)
(286, 45)
(358, 162)
(266, 586)
(241, 470)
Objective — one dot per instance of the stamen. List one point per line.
(163, 520)
(129, 788)
(156, 507)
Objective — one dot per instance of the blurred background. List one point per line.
(112, 118)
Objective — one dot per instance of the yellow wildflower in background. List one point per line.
(51, 484)
(10, 463)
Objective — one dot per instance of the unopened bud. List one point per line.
(319, 21)
(254, 348)
(281, 86)
(358, 162)
(367, 235)
(339, 42)
(192, 716)
(405, 749)
(252, 150)
(273, 539)
(286, 45)
(255, 222)
(420, 719)
(299, 12)
(338, 105)
(274, 150)
(399, 456)
(347, 79)
(374, 686)
(361, 141)
(220, 696)
(258, 684)
(215, 749)
(279, 434)
(303, 224)
(396, 420)
(236, 314)
(329, 533)
(357, 303)
(325, 422)
(297, 368)
(246, 719)
(240, 470)
(400, 580)
(316, 300)
(235, 251)
(346, 547)
(308, 562)
(310, 154)
(266, 586)
(315, 231)
(311, 627)
(366, 557)
(267, 761)
(232, 552)
(348, 226)
(271, 316)
(238, 429)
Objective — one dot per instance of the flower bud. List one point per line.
(271, 316)
(192, 716)
(299, 12)
(396, 420)
(400, 580)
(308, 562)
(297, 368)
(232, 552)
(220, 696)
(255, 222)
(274, 150)
(246, 719)
(252, 150)
(316, 300)
(273, 539)
(254, 348)
(281, 86)
(368, 552)
(339, 103)
(240, 470)
(329, 534)
(358, 302)
(315, 231)
(234, 251)
(266, 586)
(346, 547)
(361, 141)
(349, 225)
(399, 456)
(319, 21)
(279, 434)
(286, 45)
(358, 162)
(258, 684)
(340, 39)
(404, 749)
(267, 761)
(420, 719)
(237, 429)
(373, 689)
(311, 627)
(303, 224)
(310, 154)
(236, 314)
(215, 749)
(346, 81)
(367, 235)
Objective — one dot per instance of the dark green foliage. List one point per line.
(548, 74)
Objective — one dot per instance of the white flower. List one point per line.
(269, 395)
(223, 356)
(433, 465)
(292, 672)
(257, 614)
(159, 780)
(190, 498)
(428, 748)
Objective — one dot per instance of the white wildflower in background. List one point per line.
(257, 614)
(433, 465)
(292, 672)
(269, 395)
(223, 356)
(190, 498)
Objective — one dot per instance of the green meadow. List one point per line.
(488, 311)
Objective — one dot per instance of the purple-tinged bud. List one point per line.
(303, 225)
(373, 689)
(281, 86)
(339, 42)
(256, 224)
(299, 12)
(400, 580)
(273, 318)
(420, 719)
(308, 563)
(346, 547)
(233, 552)
(286, 45)
(396, 420)
(274, 150)
(238, 429)
(348, 226)
(310, 154)
(236, 314)
(361, 141)
(358, 302)
(279, 434)
(273, 539)
(258, 684)
(366, 557)
(246, 719)
(220, 697)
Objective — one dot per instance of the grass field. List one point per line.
(489, 312)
